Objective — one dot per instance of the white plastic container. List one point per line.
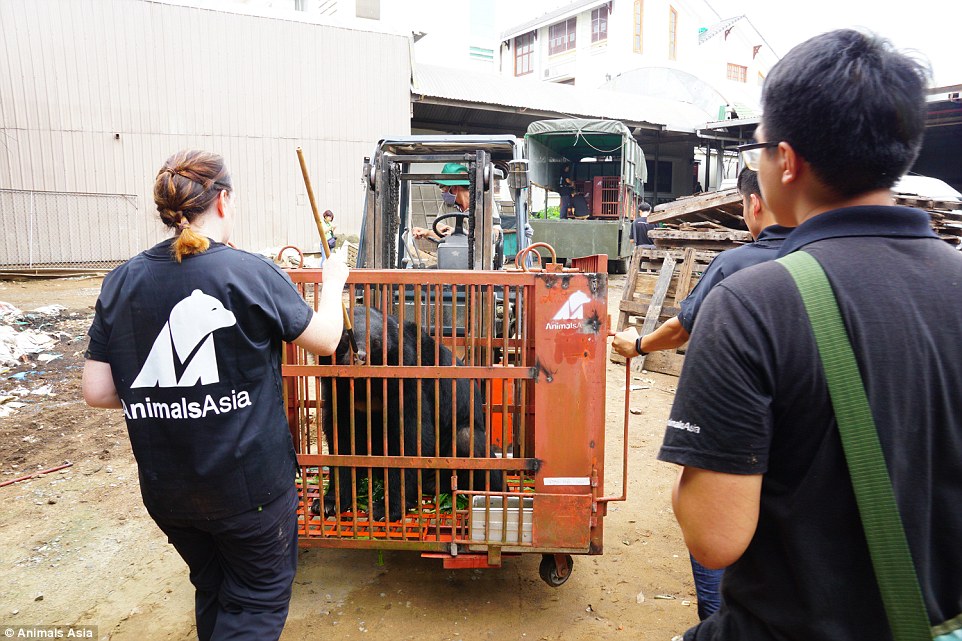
(496, 517)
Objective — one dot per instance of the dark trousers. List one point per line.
(242, 568)
(707, 588)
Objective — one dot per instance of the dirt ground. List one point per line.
(77, 547)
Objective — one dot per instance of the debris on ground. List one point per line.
(14, 345)
(29, 342)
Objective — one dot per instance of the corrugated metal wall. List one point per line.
(95, 94)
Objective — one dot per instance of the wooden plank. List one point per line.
(918, 201)
(705, 224)
(654, 306)
(719, 246)
(645, 287)
(718, 216)
(683, 286)
(679, 254)
(628, 294)
(698, 236)
(642, 286)
(634, 308)
(665, 363)
(682, 283)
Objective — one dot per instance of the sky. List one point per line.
(932, 27)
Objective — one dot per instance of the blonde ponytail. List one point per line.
(188, 242)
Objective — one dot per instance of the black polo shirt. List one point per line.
(639, 232)
(752, 399)
(728, 262)
(195, 351)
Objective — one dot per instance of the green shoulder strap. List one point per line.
(888, 547)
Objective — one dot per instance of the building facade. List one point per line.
(590, 43)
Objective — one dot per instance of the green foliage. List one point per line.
(553, 213)
(365, 496)
(444, 502)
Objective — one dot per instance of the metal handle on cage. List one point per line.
(624, 456)
(519, 263)
(300, 254)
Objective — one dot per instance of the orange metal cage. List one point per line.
(412, 464)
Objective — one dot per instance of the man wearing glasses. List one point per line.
(764, 488)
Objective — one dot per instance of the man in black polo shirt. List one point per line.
(764, 488)
(640, 226)
(675, 332)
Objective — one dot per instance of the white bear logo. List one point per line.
(574, 307)
(183, 353)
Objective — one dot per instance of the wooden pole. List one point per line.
(348, 327)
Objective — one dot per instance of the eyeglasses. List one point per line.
(752, 153)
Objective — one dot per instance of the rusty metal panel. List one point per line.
(562, 521)
(595, 263)
(570, 347)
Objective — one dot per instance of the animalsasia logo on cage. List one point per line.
(572, 313)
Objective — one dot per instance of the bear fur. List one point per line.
(377, 405)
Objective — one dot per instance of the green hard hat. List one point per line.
(454, 168)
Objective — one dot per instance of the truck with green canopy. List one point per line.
(608, 171)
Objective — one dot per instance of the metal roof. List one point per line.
(562, 13)
(458, 87)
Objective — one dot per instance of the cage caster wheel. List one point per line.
(555, 569)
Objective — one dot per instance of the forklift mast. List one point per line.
(398, 167)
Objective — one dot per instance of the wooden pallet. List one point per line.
(945, 215)
(657, 281)
(712, 240)
(929, 204)
(351, 253)
(723, 208)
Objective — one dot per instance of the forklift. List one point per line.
(401, 194)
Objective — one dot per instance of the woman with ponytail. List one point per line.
(186, 340)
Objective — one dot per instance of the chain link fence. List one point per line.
(63, 231)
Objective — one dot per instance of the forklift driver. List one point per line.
(453, 192)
